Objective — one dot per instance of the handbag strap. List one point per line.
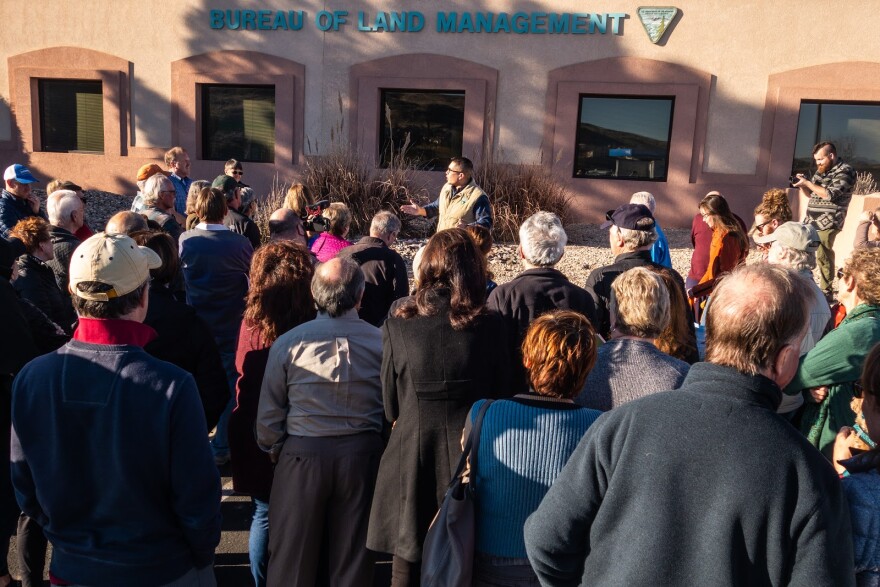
(472, 445)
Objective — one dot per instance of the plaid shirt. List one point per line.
(828, 214)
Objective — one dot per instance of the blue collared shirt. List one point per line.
(181, 189)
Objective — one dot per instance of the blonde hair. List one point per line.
(297, 199)
(642, 307)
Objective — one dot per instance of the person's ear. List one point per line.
(785, 365)
(520, 251)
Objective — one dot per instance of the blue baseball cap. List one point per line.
(19, 173)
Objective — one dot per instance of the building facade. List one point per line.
(613, 97)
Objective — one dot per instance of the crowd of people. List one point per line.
(646, 428)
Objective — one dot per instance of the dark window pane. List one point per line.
(427, 126)
(623, 138)
(853, 128)
(71, 116)
(238, 122)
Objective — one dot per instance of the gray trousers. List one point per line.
(321, 495)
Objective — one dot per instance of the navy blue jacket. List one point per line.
(110, 456)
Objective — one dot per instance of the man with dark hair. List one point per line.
(17, 201)
(235, 220)
(461, 200)
(126, 463)
(216, 263)
(321, 401)
(631, 235)
(178, 163)
(383, 267)
(830, 191)
(704, 485)
(539, 288)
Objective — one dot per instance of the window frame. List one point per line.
(380, 146)
(583, 96)
(417, 72)
(203, 94)
(27, 69)
(42, 86)
(239, 68)
(819, 138)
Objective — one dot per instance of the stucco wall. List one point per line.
(738, 46)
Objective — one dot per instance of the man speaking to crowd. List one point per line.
(461, 200)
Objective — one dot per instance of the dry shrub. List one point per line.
(519, 190)
(268, 204)
(344, 175)
(865, 184)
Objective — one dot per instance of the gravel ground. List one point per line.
(587, 243)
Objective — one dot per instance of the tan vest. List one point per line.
(454, 207)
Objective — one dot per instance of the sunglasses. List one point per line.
(237, 172)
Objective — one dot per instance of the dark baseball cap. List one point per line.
(629, 216)
(225, 183)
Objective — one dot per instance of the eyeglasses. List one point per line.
(451, 170)
(761, 226)
(167, 192)
(238, 172)
(840, 273)
(858, 390)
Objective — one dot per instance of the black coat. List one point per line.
(600, 280)
(186, 341)
(530, 294)
(431, 375)
(36, 283)
(241, 224)
(64, 243)
(385, 273)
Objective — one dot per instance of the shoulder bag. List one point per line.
(448, 554)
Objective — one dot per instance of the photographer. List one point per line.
(829, 191)
(868, 230)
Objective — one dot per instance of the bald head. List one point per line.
(757, 311)
(65, 210)
(337, 286)
(125, 223)
(285, 225)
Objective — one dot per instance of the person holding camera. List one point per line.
(829, 191)
(868, 230)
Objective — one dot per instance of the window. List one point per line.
(427, 127)
(238, 122)
(853, 128)
(71, 116)
(623, 137)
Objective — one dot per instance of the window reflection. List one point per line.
(71, 116)
(238, 122)
(623, 137)
(854, 128)
(426, 128)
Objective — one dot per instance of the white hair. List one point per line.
(795, 259)
(60, 205)
(384, 224)
(152, 187)
(644, 198)
(634, 240)
(542, 239)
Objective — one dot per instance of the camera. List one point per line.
(313, 221)
(792, 180)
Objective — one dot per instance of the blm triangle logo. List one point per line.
(656, 19)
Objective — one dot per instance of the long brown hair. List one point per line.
(717, 207)
(677, 339)
(452, 266)
(280, 295)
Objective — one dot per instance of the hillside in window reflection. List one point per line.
(427, 128)
(608, 153)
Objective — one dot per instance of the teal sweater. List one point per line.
(836, 361)
(523, 446)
